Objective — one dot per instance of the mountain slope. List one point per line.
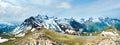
(44, 36)
(48, 37)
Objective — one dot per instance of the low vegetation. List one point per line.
(58, 37)
(64, 39)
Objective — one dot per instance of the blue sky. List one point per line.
(19, 10)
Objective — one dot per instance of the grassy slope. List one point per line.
(58, 37)
(63, 38)
(11, 42)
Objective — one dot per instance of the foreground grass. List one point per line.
(11, 42)
(63, 38)
(58, 37)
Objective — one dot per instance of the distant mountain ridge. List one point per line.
(62, 24)
(6, 27)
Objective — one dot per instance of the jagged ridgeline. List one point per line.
(64, 25)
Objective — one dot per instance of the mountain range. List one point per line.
(6, 27)
(45, 30)
(63, 25)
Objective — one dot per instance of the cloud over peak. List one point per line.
(64, 5)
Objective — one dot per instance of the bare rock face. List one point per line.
(37, 39)
(107, 37)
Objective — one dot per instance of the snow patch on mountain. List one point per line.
(3, 40)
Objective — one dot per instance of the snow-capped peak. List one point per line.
(62, 24)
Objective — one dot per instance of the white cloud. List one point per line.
(64, 5)
(12, 13)
(42, 2)
(21, 9)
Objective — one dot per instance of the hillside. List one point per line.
(49, 37)
(43, 35)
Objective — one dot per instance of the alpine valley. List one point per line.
(46, 30)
